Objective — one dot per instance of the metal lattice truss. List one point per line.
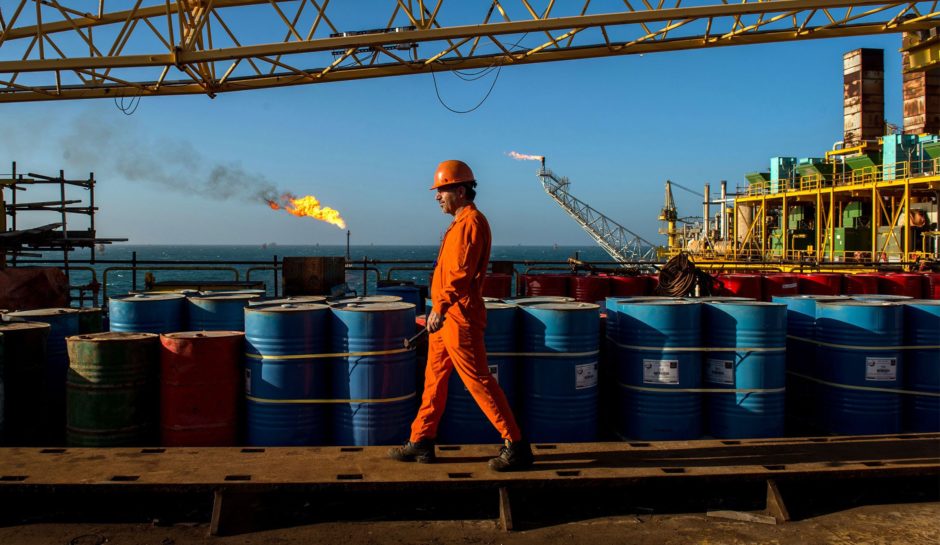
(70, 49)
(620, 243)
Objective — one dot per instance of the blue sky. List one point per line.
(617, 127)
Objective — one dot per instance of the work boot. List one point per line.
(421, 451)
(514, 456)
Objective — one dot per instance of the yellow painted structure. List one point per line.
(57, 50)
(891, 199)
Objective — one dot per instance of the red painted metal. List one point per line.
(589, 289)
(821, 284)
(909, 284)
(200, 387)
(932, 286)
(652, 280)
(629, 286)
(862, 283)
(780, 284)
(497, 285)
(546, 284)
(740, 285)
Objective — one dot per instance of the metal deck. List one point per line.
(127, 473)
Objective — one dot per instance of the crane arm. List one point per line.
(622, 244)
(57, 50)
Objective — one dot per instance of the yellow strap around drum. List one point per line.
(866, 348)
(327, 401)
(700, 348)
(703, 390)
(865, 388)
(321, 356)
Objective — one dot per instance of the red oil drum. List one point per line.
(589, 289)
(780, 284)
(498, 285)
(740, 285)
(652, 280)
(821, 284)
(909, 284)
(862, 283)
(546, 284)
(200, 388)
(629, 286)
(932, 286)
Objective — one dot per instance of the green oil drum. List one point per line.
(111, 389)
(24, 360)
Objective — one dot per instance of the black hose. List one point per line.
(679, 277)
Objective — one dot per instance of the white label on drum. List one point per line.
(248, 382)
(585, 376)
(660, 371)
(494, 370)
(881, 369)
(789, 286)
(720, 372)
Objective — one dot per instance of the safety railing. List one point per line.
(136, 268)
(874, 174)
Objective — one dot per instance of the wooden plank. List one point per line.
(583, 463)
(742, 516)
(775, 506)
(505, 509)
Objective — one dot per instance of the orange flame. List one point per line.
(524, 157)
(308, 206)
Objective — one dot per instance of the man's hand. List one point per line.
(435, 322)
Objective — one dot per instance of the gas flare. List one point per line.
(307, 206)
(524, 157)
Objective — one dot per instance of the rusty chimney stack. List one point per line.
(864, 95)
(921, 95)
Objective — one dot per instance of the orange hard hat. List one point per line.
(452, 172)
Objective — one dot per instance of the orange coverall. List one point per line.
(457, 295)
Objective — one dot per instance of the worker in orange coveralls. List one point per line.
(456, 324)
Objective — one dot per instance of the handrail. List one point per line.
(272, 268)
(388, 273)
(151, 268)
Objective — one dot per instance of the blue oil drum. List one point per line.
(286, 385)
(63, 322)
(463, 422)
(377, 376)
(407, 293)
(219, 312)
(922, 366)
(754, 334)
(147, 313)
(559, 372)
(539, 299)
(291, 300)
(882, 297)
(366, 299)
(802, 415)
(857, 348)
(656, 357)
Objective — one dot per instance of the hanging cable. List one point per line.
(128, 107)
(467, 76)
(437, 91)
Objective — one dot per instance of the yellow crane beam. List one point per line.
(55, 50)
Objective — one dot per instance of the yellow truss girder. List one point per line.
(55, 49)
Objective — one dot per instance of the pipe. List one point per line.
(708, 215)
(724, 214)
